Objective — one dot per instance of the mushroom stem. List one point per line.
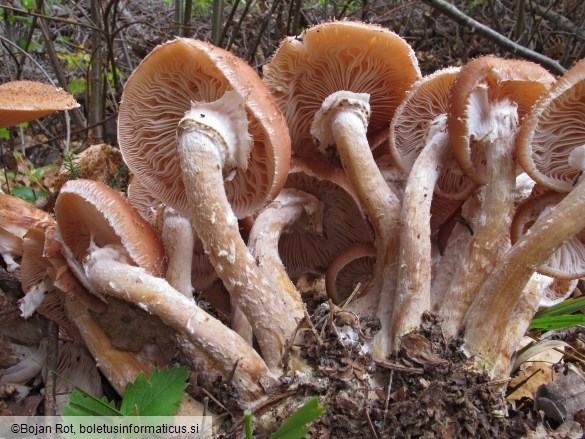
(289, 208)
(413, 294)
(229, 351)
(491, 234)
(178, 240)
(343, 121)
(487, 319)
(207, 158)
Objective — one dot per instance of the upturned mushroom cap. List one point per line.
(427, 99)
(521, 82)
(21, 101)
(156, 97)
(336, 56)
(552, 130)
(89, 212)
(567, 262)
(349, 267)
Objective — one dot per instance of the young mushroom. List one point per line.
(555, 127)
(337, 83)
(196, 111)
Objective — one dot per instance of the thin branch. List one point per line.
(57, 19)
(461, 18)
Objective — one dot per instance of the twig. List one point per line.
(52, 364)
(400, 367)
(461, 18)
(371, 425)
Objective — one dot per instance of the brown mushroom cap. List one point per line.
(156, 97)
(89, 211)
(519, 81)
(21, 101)
(568, 262)
(334, 56)
(344, 221)
(554, 128)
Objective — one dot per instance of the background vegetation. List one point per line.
(90, 47)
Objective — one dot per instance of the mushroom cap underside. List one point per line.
(158, 94)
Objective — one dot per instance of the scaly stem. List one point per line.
(207, 159)
(491, 235)
(230, 353)
(487, 319)
(345, 117)
(413, 295)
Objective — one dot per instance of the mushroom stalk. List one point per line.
(491, 234)
(343, 121)
(487, 319)
(178, 240)
(413, 295)
(205, 157)
(286, 211)
(229, 351)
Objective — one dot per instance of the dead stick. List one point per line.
(461, 18)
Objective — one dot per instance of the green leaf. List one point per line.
(557, 322)
(26, 193)
(294, 427)
(159, 395)
(569, 306)
(81, 403)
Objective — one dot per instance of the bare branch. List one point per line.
(461, 18)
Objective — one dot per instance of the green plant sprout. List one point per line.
(561, 316)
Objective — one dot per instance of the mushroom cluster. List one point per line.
(342, 162)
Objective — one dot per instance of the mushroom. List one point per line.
(488, 98)
(335, 84)
(16, 218)
(568, 261)
(349, 267)
(196, 111)
(153, 210)
(344, 222)
(121, 255)
(547, 125)
(420, 146)
(21, 101)
(291, 209)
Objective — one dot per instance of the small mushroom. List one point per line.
(21, 101)
(291, 209)
(344, 220)
(16, 218)
(196, 111)
(349, 267)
